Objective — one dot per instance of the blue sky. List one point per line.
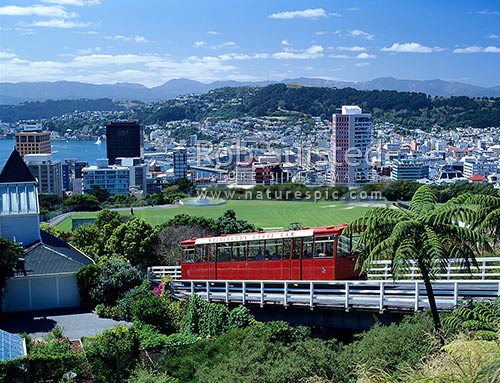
(153, 41)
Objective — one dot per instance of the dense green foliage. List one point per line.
(81, 202)
(38, 110)
(112, 355)
(404, 108)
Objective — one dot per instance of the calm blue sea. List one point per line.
(83, 150)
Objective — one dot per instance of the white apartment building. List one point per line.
(350, 143)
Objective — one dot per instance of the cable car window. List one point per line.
(188, 254)
(223, 252)
(307, 247)
(239, 251)
(256, 251)
(343, 246)
(323, 246)
(274, 249)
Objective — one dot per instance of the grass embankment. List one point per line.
(263, 214)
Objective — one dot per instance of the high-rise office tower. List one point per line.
(33, 140)
(124, 139)
(350, 143)
(180, 162)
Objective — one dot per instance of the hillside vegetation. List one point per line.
(409, 109)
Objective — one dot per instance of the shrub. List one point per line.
(115, 278)
(149, 337)
(203, 318)
(393, 347)
(86, 278)
(126, 302)
(142, 375)
(156, 312)
(240, 317)
(113, 354)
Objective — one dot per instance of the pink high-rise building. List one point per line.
(350, 143)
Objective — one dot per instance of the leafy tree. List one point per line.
(81, 202)
(86, 278)
(184, 186)
(134, 241)
(50, 201)
(167, 247)
(10, 252)
(87, 239)
(487, 214)
(229, 224)
(114, 279)
(427, 233)
(102, 195)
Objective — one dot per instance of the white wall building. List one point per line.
(350, 143)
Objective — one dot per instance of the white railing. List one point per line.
(366, 295)
(156, 273)
(487, 268)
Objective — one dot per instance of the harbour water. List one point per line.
(82, 150)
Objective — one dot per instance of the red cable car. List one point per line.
(321, 253)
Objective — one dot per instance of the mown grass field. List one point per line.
(263, 214)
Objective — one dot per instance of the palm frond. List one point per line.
(424, 200)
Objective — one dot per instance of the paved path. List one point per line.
(75, 323)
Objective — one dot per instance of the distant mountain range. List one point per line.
(15, 93)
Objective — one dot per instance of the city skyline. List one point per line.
(109, 41)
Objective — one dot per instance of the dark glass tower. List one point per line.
(124, 139)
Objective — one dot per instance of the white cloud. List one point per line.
(227, 44)
(365, 56)
(137, 39)
(305, 14)
(411, 48)
(58, 23)
(36, 10)
(214, 33)
(359, 33)
(339, 56)
(314, 51)
(353, 9)
(236, 56)
(493, 36)
(78, 3)
(285, 42)
(362, 64)
(488, 12)
(148, 69)
(352, 49)
(199, 44)
(476, 49)
(321, 33)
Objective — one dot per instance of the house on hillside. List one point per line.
(45, 278)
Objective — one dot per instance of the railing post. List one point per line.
(192, 287)
(261, 294)
(412, 270)
(381, 302)
(346, 301)
(244, 291)
(148, 273)
(483, 271)
(498, 293)
(311, 295)
(227, 292)
(448, 274)
(386, 270)
(455, 294)
(285, 292)
(417, 296)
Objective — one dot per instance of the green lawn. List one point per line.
(263, 214)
